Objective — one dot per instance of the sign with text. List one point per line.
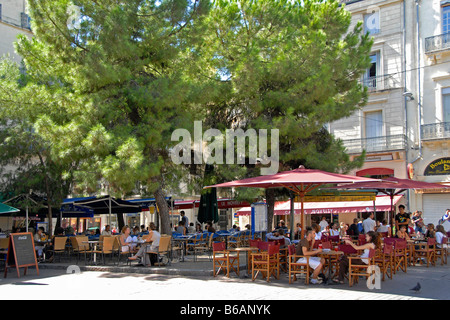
(438, 167)
(21, 253)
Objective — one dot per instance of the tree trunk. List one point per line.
(270, 200)
(163, 209)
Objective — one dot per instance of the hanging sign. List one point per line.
(438, 167)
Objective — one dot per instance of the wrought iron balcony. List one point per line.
(439, 130)
(384, 82)
(376, 144)
(437, 43)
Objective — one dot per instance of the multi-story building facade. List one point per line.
(13, 21)
(404, 127)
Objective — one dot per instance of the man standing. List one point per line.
(184, 218)
(323, 224)
(402, 218)
(369, 224)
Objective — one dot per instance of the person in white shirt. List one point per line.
(323, 224)
(152, 248)
(440, 234)
(335, 230)
(369, 224)
(107, 231)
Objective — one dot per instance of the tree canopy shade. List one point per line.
(104, 89)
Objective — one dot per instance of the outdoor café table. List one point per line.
(225, 235)
(246, 250)
(183, 239)
(328, 254)
(92, 245)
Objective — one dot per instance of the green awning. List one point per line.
(7, 209)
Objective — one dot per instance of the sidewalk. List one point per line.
(435, 282)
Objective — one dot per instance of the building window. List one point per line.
(372, 22)
(370, 78)
(374, 124)
(373, 131)
(446, 104)
(446, 19)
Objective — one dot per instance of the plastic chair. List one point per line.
(59, 247)
(105, 248)
(267, 262)
(80, 245)
(224, 260)
(163, 249)
(296, 267)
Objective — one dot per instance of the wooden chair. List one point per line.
(400, 255)
(357, 270)
(441, 251)
(385, 261)
(296, 267)
(224, 260)
(426, 251)
(106, 247)
(267, 262)
(254, 243)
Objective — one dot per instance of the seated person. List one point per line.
(304, 249)
(402, 234)
(151, 246)
(372, 242)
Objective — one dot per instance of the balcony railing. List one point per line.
(383, 82)
(439, 130)
(437, 43)
(376, 144)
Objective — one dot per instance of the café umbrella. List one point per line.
(300, 181)
(392, 186)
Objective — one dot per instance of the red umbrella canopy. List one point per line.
(299, 180)
(392, 185)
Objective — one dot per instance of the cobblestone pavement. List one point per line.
(194, 278)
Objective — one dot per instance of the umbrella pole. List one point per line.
(302, 215)
(292, 216)
(109, 203)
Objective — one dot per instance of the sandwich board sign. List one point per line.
(21, 253)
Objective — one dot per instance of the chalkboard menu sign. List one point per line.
(21, 252)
